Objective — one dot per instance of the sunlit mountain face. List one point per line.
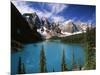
(56, 12)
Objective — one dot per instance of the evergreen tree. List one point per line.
(79, 64)
(46, 69)
(74, 66)
(72, 61)
(53, 70)
(42, 61)
(21, 67)
(63, 63)
(91, 56)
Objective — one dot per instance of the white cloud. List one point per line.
(23, 7)
(57, 8)
(58, 19)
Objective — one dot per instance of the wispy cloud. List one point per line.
(23, 7)
(57, 8)
(56, 12)
(58, 18)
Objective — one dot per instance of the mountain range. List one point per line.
(48, 29)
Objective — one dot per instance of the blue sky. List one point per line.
(58, 12)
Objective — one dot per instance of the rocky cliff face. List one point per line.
(20, 28)
(45, 22)
(33, 20)
(69, 26)
(36, 22)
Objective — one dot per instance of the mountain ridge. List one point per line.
(47, 28)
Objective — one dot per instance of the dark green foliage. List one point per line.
(91, 37)
(78, 38)
(42, 61)
(63, 63)
(91, 56)
(55, 38)
(91, 59)
(21, 67)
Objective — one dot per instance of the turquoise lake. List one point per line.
(30, 55)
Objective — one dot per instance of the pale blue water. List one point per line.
(53, 52)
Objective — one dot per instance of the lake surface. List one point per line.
(30, 56)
